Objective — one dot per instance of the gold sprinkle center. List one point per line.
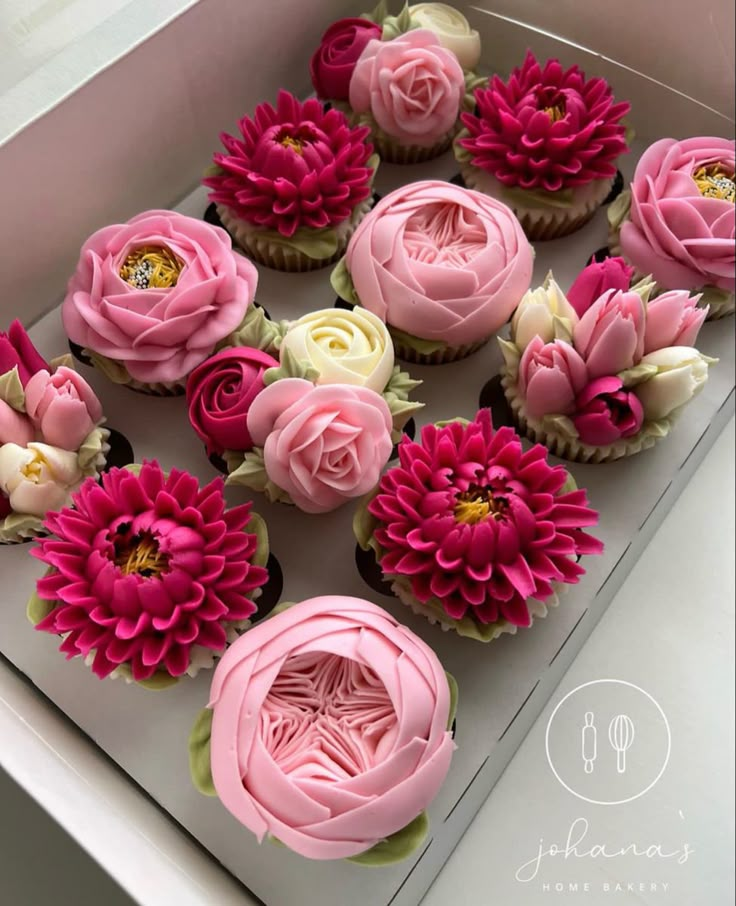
(151, 267)
(555, 113)
(288, 141)
(477, 504)
(714, 181)
(140, 554)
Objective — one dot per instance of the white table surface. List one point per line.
(670, 630)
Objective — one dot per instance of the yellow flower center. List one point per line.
(714, 181)
(555, 113)
(32, 470)
(151, 267)
(288, 141)
(140, 554)
(477, 504)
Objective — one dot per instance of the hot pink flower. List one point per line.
(17, 350)
(596, 279)
(475, 522)
(610, 335)
(673, 319)
(334, 60)
(145, 568)
(15, 428)
(551, 375)
(606, 412)
(546, 128)
(294, 166)
(63, 407)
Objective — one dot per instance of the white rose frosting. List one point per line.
(452, 29)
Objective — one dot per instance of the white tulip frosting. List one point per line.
(38, 478)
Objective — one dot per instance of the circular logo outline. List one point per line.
(620, 683)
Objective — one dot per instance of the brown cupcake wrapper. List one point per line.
(440, 357)
(392, 152)
(163, 388)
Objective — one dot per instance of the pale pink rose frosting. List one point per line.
(440, 262)
(159, 333)
(412, 86)
(683, 238)
(322, 445)
(62, 406)
(329, 729)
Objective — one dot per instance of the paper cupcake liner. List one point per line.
(392, 152)
(440, 357)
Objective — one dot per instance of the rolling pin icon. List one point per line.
(590, 742)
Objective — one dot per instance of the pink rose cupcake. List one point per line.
(152, 298)
(546, 143)
(294, 184)
(328, 729)
(474, 532)
(51, 435)
(444, 267)
(676, 222)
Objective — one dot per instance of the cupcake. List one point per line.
(473, 532)
(546, 143)
(294, 185)
(676, 222)
(51, 435)
(608, 376)
(444, 267)
(328, 730)
(152, 298)
(150, 577)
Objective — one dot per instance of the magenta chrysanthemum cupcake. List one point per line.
(546, 143)
(292, 187)
(475, 533)
(150, 577)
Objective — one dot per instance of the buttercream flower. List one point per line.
(37, 478)
(546, 128)
(471, 522)
(545, 313)
(673, 319)
(411, 86)
(15, 428)
(440, 263)
(681, 226)
(329, 728)
(148, 572)
(334, 60)
(681, 374)
(596, 279)
(321, 445)
(551, 375)
(344, 347)
(610, 335)
(62, 406)
(17, 351)
(605, 412)
(293, 166)
(157, 294)
(220, 393)
(452, 29)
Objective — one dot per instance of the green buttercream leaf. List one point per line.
(290, 367)
(511, 355)
(454, 695)
(315, 244)
(200, 765)
(92, 453)
(473, 81)
(560, 424)
(538, 197)
(378, 14)
(629, 133)
(423, 347)
(135, 468)
(157, 682)
(212, 169)
(342, 282)
(66, 360)
(19, 526)
(451, 421)
(364, 523)
(643, 288)
(393, 26)
(659, 428)
(401, 383)
(716, 298)
(569, 485)
(637, 375)
(255, 331)
(11, 390)
(257, 526)
(251, 473)
(562, 328)
(401, 410)
(37, 608)
(618, 210)
(396, 847)
(113, 371)
(462, 155)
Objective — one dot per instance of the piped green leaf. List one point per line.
(290, 367)
(342, 283)
(11, 390)
(396, 847)
(200, 763)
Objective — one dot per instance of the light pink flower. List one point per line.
(322, 445)
(412, 86)
(673, 319)
(610, 335)
(551, 375)
(596, 279)
(63, 407)
(15, 428)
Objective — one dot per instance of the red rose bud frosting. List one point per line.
(334, 60)
(440, 262)
(595, 279)
(293, 166)
(471, 523)
(220, 393)
(148, 573)
(546, 128)
(17, 351)
(157, 294)
(329, 728)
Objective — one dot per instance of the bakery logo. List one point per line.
(608, 742)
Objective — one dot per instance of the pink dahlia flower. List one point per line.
(294, 166)
(145, 568)
(477, 523)
(606, 412)
(546, 128)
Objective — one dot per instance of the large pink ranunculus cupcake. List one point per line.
(444, 267)
(677, 221)
(152, 298)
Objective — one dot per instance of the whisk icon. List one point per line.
(621, 736)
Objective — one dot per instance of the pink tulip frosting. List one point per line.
(145, 569)
(334, 60)
(412, 87)
(440, 262)
(681, 226)
(546, 128)
(478, 524)
(15, 428)
(294, 166)
(673, 319)
(157, 294)
(595, 279)
(606, 412)
(610, 335)
(551, 375)
(17, 351)
(321, 445)
(63, 407)
(329, 729)
(220, 393)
